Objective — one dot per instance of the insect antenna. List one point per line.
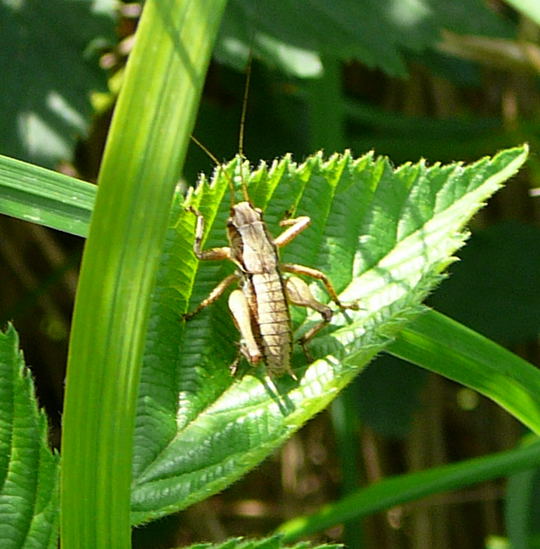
(240, 138)
(243, 123)
(212, 156)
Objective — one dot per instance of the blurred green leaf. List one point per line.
(470, 17)
(529, 8)
(378, 33)
(49, 67)
(29, 470)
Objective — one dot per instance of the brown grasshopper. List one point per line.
(260, 306)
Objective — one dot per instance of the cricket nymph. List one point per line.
(260, 306)
(262, 286)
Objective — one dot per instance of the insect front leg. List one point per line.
(212, 254)
(295, 227)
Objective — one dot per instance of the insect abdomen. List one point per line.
(273, 321)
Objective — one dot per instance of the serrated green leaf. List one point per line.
(29, 470)
(273, 542)
(43, 113)
(382, 235)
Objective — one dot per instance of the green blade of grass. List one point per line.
(143, 157)
(405, 488)
(45, 197)
(442, 345)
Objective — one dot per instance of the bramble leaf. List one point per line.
(382, 235)
(29, 470)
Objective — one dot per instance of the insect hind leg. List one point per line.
(298, 293)
(318, 275)
(241, 313)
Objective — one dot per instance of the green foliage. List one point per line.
(376, 33)
(529, 8)
(382, 235)
(43, 112)
(225, 416)
(29, 470)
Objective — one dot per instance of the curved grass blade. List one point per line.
(45, 197)
(143, 158)
(446, 347)
(410, 487)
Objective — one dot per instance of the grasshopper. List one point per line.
(260, 306)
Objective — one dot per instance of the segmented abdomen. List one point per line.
(273, 321)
